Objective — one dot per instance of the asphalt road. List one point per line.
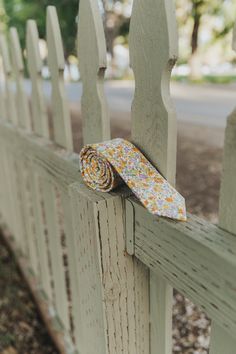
(207, 105)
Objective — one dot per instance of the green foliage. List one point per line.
(17, 12)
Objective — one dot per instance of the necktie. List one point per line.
(106, 165)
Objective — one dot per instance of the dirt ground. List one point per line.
(198, 179)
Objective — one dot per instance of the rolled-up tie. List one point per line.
(106, 165)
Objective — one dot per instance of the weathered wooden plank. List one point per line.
(92, 64)
(40, 232)
(196, 257)
(56, 63)
(228, 190)
(72, 255)
(17, 202)
(59, 165)
(54, 236)
(23, 113)
(23, 171)
(38, 104)
(90, 319)
(110, 312)
(153, 52)
(10, 99)
(221, 341)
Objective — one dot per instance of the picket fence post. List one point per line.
(38, 104)
(221, 341)
(153, 51)
(92, 64)
(23, 113)
(9, 96)
(59, 100)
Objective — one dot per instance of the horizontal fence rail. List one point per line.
(99, 265)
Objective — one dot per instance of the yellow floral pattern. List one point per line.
(106, 165)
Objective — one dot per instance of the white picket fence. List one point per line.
(100, 266)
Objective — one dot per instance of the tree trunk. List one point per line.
(194, 61)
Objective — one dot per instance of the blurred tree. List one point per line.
(195, 11)
(116, 20)
(17, 12)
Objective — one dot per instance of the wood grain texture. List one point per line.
(56, 63)
(54, 236)
(38, 104)
(57, 164)
(111, 301)
(196, 257)
(40, 233)
(23, 113)
(9, 95)
(92, 64)
(24, 184)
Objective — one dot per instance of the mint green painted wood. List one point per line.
(24, 185)
(40, 230)
(38, 104)
(56, 62)
(17, 202)
(221, 341)
(228, 190)
(153, 52)
(109, 283)
(54, 234)
(92, 65)
(197, 258)
(23, 113)
(9, 95)
(124, 300)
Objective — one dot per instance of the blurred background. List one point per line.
(203, 89)
(205, 26)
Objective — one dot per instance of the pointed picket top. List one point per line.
(92, 63)
(56, 63)
(39, 109)
(153, 51)
(23, 112)
(9, 97)
(5, 55)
